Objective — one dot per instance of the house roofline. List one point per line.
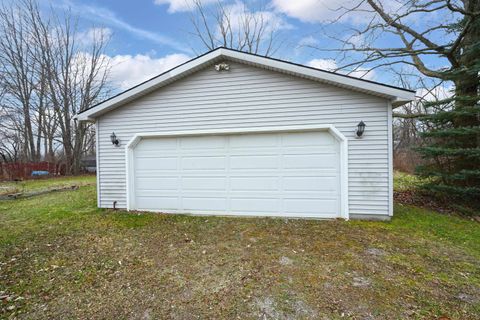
(87, 114)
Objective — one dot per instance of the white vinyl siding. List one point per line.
(251, 97)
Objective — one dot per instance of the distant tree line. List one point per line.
(49, 72)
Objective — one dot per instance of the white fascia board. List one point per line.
(400, 101)
(397, 96)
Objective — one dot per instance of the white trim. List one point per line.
(129, 149)
(397, 96)
(97, 160)
(390, 157)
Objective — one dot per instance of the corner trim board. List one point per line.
(390, 158)
(97, 156)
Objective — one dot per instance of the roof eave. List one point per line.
(400, 101)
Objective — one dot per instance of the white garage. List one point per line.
(232, 133)
(282, 172)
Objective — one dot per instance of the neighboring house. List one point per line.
(89, 163)
(231, 133)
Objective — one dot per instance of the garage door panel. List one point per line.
(320, 195)
(148, 163)
(262, 205)
(152, 193)
(203, 203)
(311, 206)
(283, 174)
(158, 203)
(254, 194)
(306, 149)
(203, 162)
(254, 162)
(254, 183)
(204, 183)
(203, 194)
(296, 183)
(310, 161)
(149, 145)
(157, 183)
(309, 172)
(202, 142)
(256, 141)
(259, 152)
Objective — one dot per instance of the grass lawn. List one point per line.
(62, 258)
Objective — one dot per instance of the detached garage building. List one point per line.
(232, 133)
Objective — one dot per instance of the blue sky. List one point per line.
(151, 36)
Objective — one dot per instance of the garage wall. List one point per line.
(248, 96)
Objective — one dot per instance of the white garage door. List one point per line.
(270, 174)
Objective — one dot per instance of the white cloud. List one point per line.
(325, 64)
(182, 5)
(309, 41)
(89, 36)
(331, 65)
(127, 70)
(327, 10)
(307, 10)
(238, 11)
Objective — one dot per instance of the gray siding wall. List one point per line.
(248, 96)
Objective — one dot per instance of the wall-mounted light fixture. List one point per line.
(360, 128)
(222, 67)
(114, 139)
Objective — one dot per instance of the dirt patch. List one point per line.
(285, 261)
(420, 199)
(268, 308)
(376, 252)
(361, 282)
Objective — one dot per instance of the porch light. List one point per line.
(360, 128)
(114, 139)
(222, 67)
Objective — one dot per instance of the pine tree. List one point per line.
(452, 150)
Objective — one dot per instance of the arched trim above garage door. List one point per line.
(130, 187)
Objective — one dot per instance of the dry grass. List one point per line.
(62, 258)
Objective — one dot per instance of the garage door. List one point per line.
(269, 174)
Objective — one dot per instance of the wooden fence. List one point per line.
(20, 171)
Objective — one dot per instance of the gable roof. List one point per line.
(396, 95)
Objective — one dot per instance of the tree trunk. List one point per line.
(39, 134)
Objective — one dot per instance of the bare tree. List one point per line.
(48, 75)
(413, 44)
(76, 77)
(407, 129)
(18, 67)
(235, 27)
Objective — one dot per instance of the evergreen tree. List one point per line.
(419, 34)
(452, 150)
